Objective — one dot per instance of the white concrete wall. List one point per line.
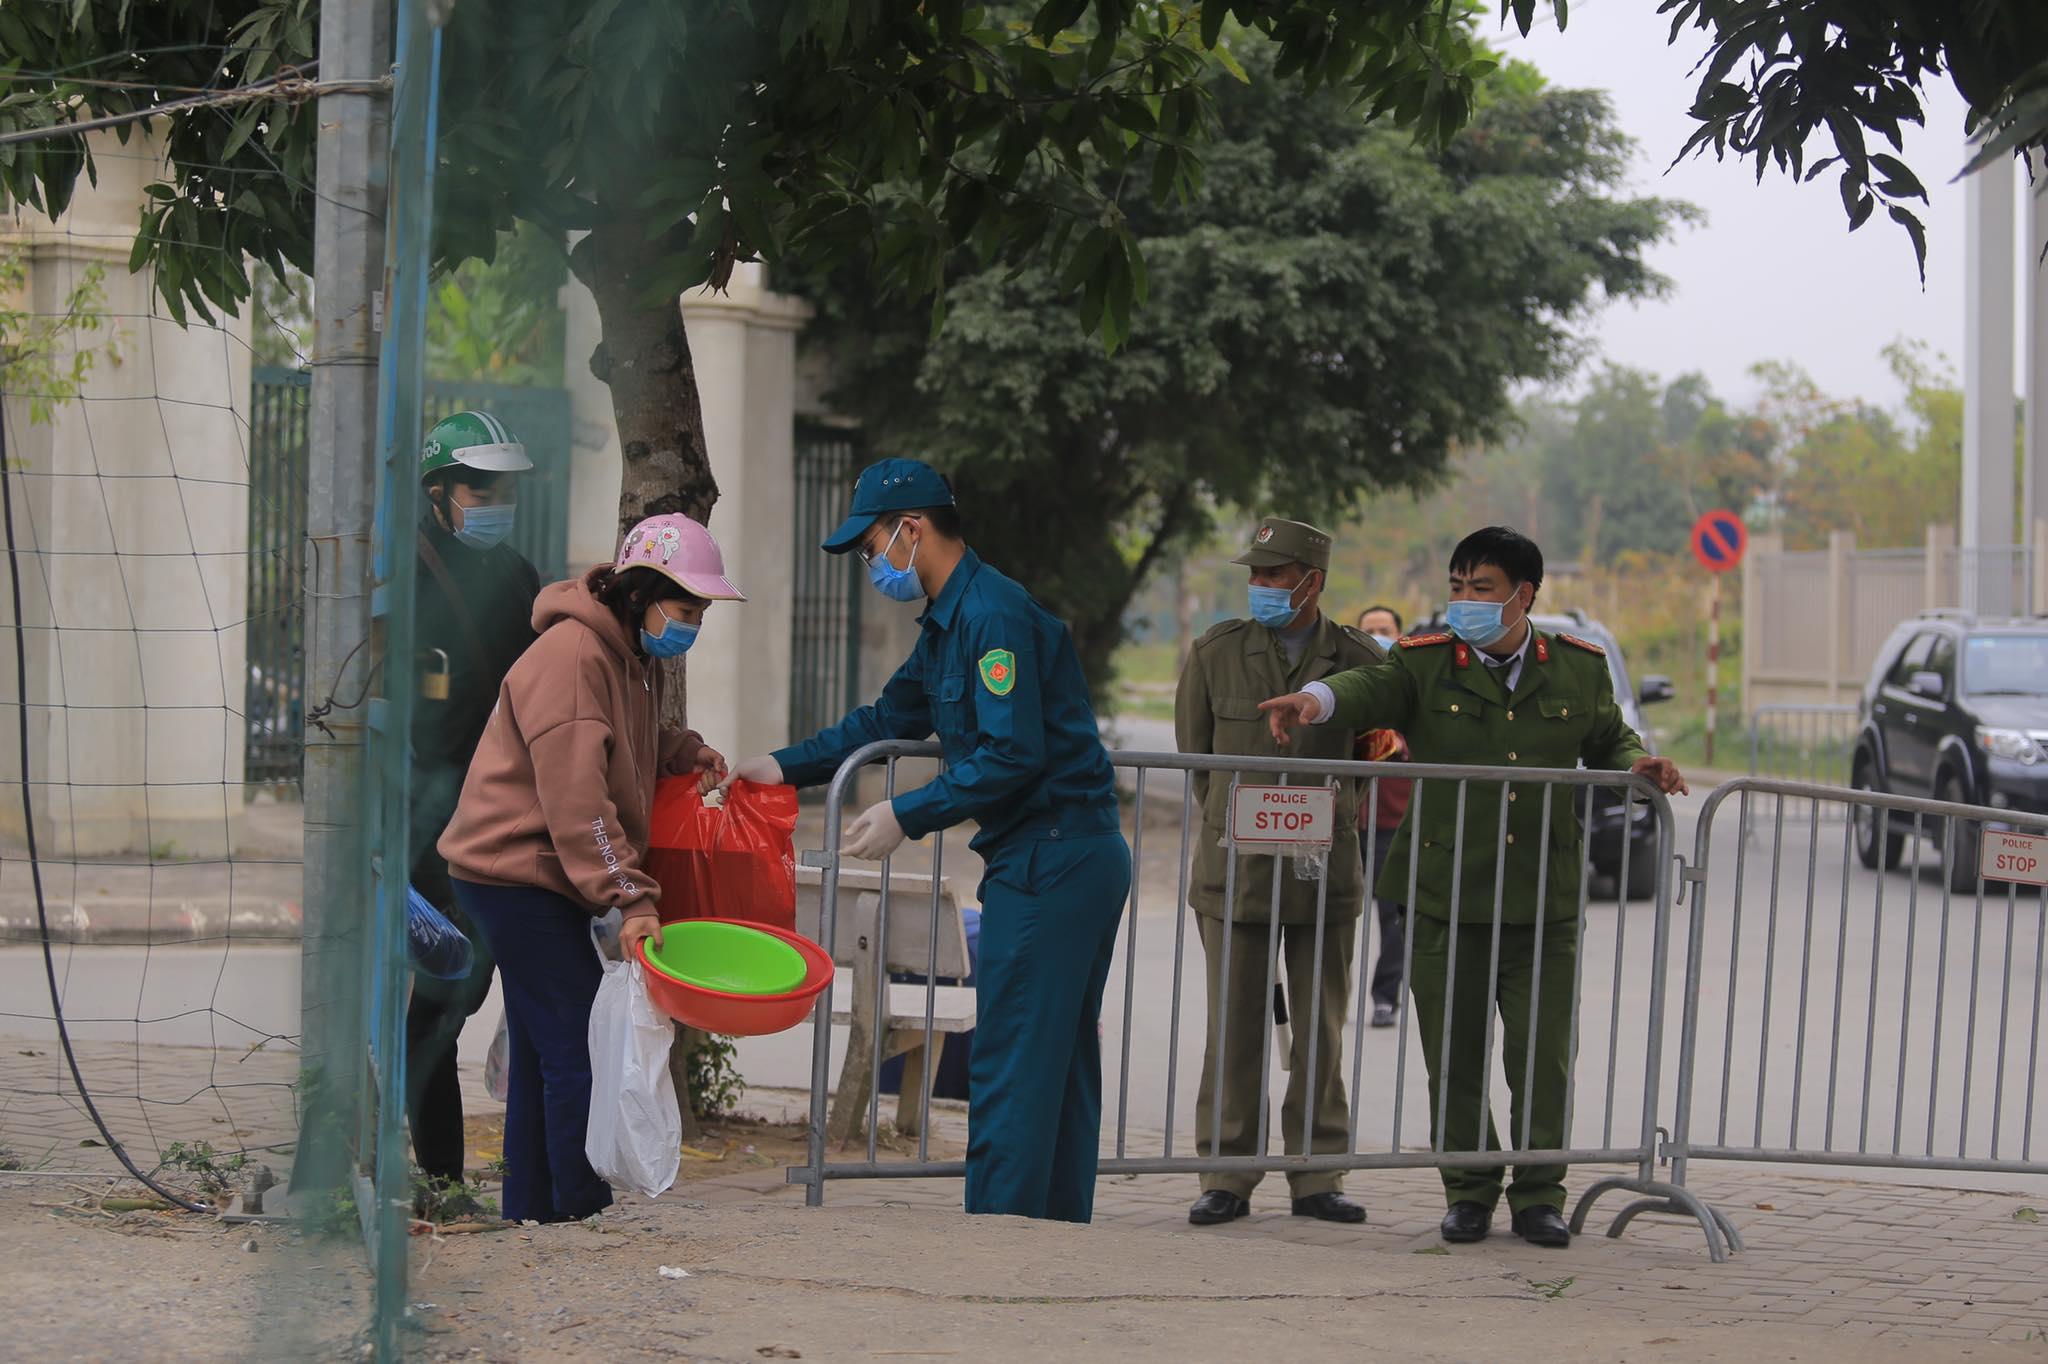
(743, 344)
(133, 503)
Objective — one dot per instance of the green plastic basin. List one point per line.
(725, 956)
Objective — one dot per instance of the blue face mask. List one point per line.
(1385, 642)
(674, 640)
(484, 527)
(1272, 606)
(1478, 623)
(897, 584)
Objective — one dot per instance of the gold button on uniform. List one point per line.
(1511, 795)
(1511, 840)
(1511, 757)
(1454, 707)
(1511, 715)
(1563, 712)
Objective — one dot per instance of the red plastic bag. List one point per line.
(738, 862)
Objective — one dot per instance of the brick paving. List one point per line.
(1856, 1256)
(150, 1097)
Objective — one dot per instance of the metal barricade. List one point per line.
(1855, 993)
(1813, 743)
(1616, 1018)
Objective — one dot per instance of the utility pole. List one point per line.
(348, 271)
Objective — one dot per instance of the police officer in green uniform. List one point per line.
(1286, 643)
(1494, 691)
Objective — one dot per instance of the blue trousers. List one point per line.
(549, 973)
(1050, 910)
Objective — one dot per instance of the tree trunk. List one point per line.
(644, 357)
(1183, 614)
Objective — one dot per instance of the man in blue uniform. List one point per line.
(996, 677)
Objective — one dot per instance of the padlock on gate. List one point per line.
(434, 684)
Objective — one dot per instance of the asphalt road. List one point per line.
(1840, 1009)
(1816, 1031)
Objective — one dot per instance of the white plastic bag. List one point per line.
(635, 1136)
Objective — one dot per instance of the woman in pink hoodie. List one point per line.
(552, 830)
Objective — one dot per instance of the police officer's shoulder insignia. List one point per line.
(1422, 641)
(1221, 630)
(1588, 645)
(999, 671)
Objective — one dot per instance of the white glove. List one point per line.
(764, 770)
(874, 835)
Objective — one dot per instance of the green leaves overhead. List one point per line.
(777, 130)
(1778, 72)
(237, 181)
(1337, 312)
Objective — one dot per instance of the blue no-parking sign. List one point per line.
(1718, 539)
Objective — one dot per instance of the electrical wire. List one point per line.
(35, 865)
(290, 84)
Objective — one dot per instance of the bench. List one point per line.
(857, 950)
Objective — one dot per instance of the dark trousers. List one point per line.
(1246, 1025)
(433, 1083)
(549, 972)
(1533, 990)
(1049, 914)
(1393, 921)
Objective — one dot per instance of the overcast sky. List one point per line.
(1773, 273)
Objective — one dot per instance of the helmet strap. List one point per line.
(442, 499)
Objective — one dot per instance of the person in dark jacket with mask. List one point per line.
(473, 618)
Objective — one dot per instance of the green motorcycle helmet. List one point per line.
(472, 440)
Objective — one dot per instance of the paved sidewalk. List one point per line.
(150, 1097)
(1875, 1259)
(1880, 1259)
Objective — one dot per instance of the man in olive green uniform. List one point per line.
(1493, 691)
(1287, 643)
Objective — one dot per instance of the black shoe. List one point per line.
(1466, 1222)
(1218, 1205)
(1543, 1226)
(1383, 1015)
(1328, 1207)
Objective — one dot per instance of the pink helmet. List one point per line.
(678, 548)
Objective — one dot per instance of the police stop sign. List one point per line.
(1293, 816)
(2014, 857)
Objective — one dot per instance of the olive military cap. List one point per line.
(1278, 542)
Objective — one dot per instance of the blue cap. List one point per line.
(888, 485)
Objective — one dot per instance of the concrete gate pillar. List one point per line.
(132, 509)
(743, 343)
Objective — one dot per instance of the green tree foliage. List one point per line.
(501, 320)
(498, 320)
(1777, 72)
(1334, 314)
(1848, 466)
(48, 356)
(685, 138)
(1608, 478)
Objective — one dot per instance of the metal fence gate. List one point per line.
(275, 707)
(825, 606)
(275, 700)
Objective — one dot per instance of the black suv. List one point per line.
(1603, 833)
(1955, 709)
